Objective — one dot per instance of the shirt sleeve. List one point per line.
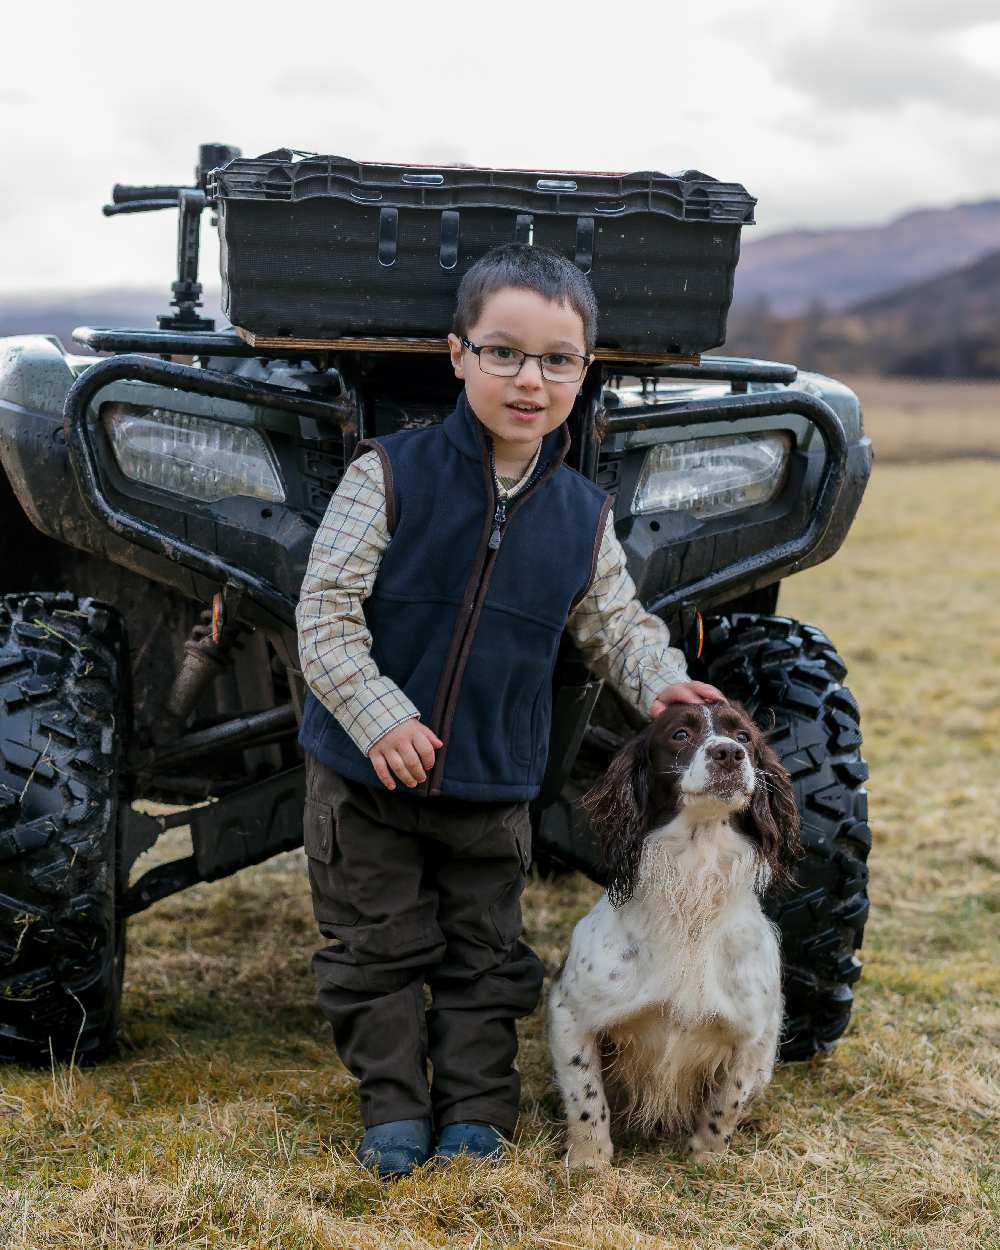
(618, 638)
(333, 636)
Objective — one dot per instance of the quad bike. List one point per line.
(158, 506)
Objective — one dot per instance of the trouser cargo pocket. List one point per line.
(505, 910)
(331, 902)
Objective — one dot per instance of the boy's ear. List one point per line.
(455, 351)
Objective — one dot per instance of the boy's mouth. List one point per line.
(525, 411)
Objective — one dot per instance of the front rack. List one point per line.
(229, 343)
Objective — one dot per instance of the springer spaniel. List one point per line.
(671, 992)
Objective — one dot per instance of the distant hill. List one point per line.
(59, 313)
(799, 269)
(948, 326)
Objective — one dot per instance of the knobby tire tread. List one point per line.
(789, 676)
(63, 720)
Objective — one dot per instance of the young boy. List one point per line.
(447, 565)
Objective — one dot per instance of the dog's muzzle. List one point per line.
(721, 769)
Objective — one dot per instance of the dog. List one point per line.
(670, 998)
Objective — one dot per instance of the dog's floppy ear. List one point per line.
(773, 817)
(617, 808)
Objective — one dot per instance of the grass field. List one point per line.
(930, 421)
(228, 1122)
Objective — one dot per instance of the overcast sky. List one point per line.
(835, 112)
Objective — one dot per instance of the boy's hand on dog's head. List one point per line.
(686, 692)
(408, 751)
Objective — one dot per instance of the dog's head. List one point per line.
(705, 755)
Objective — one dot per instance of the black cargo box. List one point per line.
(325, 247)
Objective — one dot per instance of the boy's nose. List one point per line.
(530, 373)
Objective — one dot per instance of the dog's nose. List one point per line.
(726, 754)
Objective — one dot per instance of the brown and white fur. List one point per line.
(671, 992)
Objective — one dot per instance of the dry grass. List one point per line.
(912, 420)
(228, 1122)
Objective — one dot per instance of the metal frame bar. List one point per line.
(737, 369)
(241, 731)
(170, 342)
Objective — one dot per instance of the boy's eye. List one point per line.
(498, 353)
(556, 359)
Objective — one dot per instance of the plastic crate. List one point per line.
(326, 247)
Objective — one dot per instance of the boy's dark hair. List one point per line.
(533, 268)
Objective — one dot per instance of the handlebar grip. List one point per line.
(137, 206)
(121, 193)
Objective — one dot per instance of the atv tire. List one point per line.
(63, 718)
(789, 676)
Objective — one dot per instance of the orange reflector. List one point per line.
(218, 616)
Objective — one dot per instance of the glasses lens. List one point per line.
(503, 361)
(562, 367)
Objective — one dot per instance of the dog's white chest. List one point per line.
(731, 978)
(619, 965)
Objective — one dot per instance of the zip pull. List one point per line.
(498, 519)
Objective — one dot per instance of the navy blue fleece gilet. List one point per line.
(477, 665)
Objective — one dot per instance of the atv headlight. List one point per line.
(192, 456)
(710, 476)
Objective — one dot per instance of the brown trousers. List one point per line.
(416, 892)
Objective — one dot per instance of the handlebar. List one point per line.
(132, 199)
(122, 193)
(137, 206)
(126, 199)
(189, 202)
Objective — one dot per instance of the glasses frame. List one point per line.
(476, 348)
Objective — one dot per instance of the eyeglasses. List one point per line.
(506, 362)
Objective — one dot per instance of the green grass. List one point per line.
(228, 1121)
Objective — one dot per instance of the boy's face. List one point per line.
(520, 410)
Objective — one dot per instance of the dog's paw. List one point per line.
(705, 1143)
(588, 1155)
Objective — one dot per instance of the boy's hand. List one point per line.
(686, 692)
(408, 750)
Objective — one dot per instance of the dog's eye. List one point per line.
(679, 735)
(742, 736)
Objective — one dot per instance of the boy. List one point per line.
(471, 546)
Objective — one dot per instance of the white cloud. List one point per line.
(887, 71)
(927, 15)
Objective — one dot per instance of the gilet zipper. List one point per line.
(492, 548)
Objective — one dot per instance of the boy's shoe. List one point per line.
(396, 1147)
(478, 1141)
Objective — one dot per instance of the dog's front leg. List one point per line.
(578, 1073)
(749, 1072)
